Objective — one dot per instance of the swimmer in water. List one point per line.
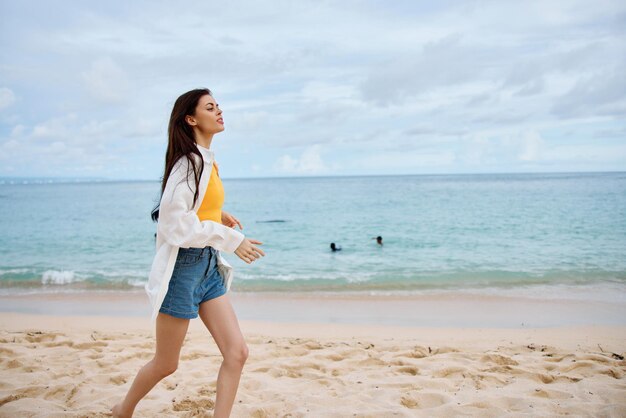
(379, 240)
(334, 248)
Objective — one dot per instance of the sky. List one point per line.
(315, 88)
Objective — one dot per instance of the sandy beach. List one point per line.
(58, 365)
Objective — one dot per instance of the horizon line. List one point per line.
(86, 179)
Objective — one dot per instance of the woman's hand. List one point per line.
(247, 251)
(230, 221)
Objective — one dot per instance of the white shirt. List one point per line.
(179, 226)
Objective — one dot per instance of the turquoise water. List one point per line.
(546, 235)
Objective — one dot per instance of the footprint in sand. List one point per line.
(93, 344)
(543, 378)
(409, 402)
(66, 343)
(13, 364)
(423, 400)
(598, 358)
(95, 356)
(27, 392)
(558, 358)
(479, 379)
(551, 394)
(170, 384)
(71, 394)
(417, 352)
(39, 336)
(107, 337)
(322, 382)
(498, 359)
(102, 364)
(313, 345)
(188, 404)
(612, 372)
(443, 350)
(451, 371)
(414, 371)
(12, 398)
(193, 356)
(502, 369)
(549, 378)
(335, 357)
(136, 355)
(6, 351)
(209, 392)
(586, 367)
(371, 361)
(118, 380)
(260, 413)
(145, 345)
(293, 372)
(253, 385)
(313, 366)
(62, 391)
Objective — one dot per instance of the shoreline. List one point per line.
(612, 338)
(452, 310)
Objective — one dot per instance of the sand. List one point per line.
(79, 366)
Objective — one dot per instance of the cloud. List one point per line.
(445, 62)
(603, 93)
(18, 130)
(531, 146)
(419, 86)
(533, 87)
(309, 162)
(106, 81)
(7, 98)
(58, 127)
(501, 150)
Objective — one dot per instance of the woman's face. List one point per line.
(208, 117)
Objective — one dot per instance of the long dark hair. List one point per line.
(181, 142)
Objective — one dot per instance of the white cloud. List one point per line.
(250, 120)
(18, 130)
(9, 147)
(54, 128)
(487, 85)
(603, 93)
(309, 162)
(478, 147)
(287, 164)
(532, 145)
(7, 97)
(106, 81)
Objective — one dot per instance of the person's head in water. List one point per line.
(333, 247)
(379, 240)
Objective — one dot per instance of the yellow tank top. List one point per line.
(211, 206)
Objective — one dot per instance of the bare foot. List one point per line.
(119, 413)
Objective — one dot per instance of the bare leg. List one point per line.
(220, 319)
(170, 334)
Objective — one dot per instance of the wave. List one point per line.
(575, 285)
(25, 279)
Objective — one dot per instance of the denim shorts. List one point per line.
(195, 279)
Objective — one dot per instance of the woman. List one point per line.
(189, 277)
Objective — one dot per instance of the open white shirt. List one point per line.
(179, 226)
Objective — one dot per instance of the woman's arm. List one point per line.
(178, 222)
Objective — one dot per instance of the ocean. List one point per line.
(537, 235)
